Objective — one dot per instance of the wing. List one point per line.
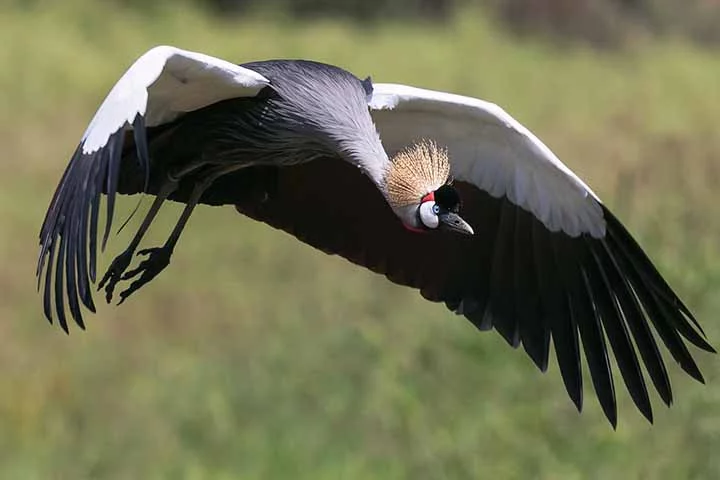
(162, 84)
(491, 150)
(551, 261)
(566, 270)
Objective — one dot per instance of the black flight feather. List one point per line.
(501, 306)
(534, 334)
(637, 323)
(613, 322)
(555, 313)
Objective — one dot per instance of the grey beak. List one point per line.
(452, 221)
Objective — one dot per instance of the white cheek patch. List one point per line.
(428, 216)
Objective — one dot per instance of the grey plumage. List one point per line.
(319, 108)
(311, 110)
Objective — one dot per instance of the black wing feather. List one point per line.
(613, 322)
(675, 316)
(638, 325)
(96, 180)
(654, 309)
(500, 311)
(591, 291)
(47, 297)
(111, 156)
(71, 251)
(528, 283)
(82, 259)
(572, 259)
(72, 221)
(645, 266)
(556, 313)
(59, 297)
(534, 334)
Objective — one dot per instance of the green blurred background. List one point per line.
(254, 356)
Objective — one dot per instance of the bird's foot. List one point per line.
(158, 259)
(114, 273)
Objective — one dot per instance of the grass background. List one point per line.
(254, 356)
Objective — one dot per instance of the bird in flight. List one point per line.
(443, 193)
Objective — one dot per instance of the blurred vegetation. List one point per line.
(600, 23)
(257, 357)
(612, 23)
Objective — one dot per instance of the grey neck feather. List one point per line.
(364, 149)
(327, 104)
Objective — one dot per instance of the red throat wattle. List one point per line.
(414, 229)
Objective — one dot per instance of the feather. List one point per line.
(416, 171)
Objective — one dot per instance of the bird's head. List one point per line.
(420, 192)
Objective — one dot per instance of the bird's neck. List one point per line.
(374, 162)
(368, 154)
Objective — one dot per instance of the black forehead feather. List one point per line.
(447, 197)
(368, 86)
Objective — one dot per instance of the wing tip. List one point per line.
(69, 224)
(609, 407)
(672, 319)
(576, 396)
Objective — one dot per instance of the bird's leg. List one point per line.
(159, 257)
(122, 261)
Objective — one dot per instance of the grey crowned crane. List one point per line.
(379, 174)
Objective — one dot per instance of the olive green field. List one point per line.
(254, 356)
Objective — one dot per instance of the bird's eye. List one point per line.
(428, 213)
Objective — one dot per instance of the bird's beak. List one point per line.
(452, 221)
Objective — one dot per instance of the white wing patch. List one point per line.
(491, 150)
(164, 83)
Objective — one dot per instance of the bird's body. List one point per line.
(379, 174)
(274, 128)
